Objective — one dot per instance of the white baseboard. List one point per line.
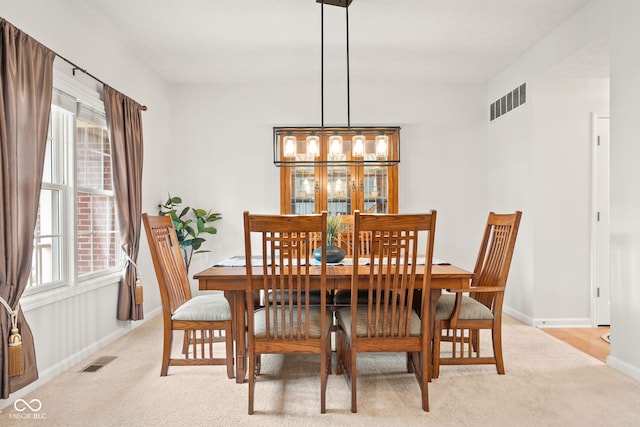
(562, 323)
(624, 367)
(69, 362)
(517, 315)
(548, 323)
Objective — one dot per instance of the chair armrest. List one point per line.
(478, 289)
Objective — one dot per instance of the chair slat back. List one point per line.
(391, 281)
(167, 261)
(285, 245)
(494, 258)
(345, 239)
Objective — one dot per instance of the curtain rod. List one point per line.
(75, 67)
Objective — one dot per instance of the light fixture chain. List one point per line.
(322, 64)
(348, 82)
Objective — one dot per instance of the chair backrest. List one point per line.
(391, 280)
(284, 243)
(171, 272)
(494, 257)
(345, 239)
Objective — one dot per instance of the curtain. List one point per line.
(26, 80)
(124, 118)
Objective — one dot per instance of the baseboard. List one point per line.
(562, 323)
(69, 362)
(624, 367)
(517, 315)
(548, 322)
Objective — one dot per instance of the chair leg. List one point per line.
(352, 376)
(323, 375)
(185, 342)
(496, 334)
(409, 364)
(424, 380)
(339, 353)
(474, 337)
(166, 351)
(436, 350)
(252, 379)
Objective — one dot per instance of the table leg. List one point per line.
(237, 303)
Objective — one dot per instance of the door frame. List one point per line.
(595, 117)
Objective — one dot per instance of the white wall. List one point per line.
(562, 169)
(558, 193)
(228, 131)
(68, 326)
(625, 198)
(524, 174)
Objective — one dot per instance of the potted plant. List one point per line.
(334, 253)
(191, 225)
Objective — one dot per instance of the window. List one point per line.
(97, 232)
(76, 236)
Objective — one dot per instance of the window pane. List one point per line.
(46, 264)
(97, 238)
(93, 157)
(303, 196)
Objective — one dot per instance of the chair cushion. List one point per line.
(204, 307)
(314, 297)
(344, 320)
(315, 325)
(343, 297)
(470, 310)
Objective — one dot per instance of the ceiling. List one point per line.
(210, 41)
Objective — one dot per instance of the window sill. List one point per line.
(41, 299)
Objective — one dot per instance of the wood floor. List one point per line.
(588, 340)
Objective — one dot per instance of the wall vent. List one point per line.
(508, 102)
(98, 363)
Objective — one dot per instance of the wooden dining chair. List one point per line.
(345, 240)
(291, 325)
(199, 317)
(389, 321)
(459, 318)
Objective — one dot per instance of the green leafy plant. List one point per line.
(191, 225)
(334, 228)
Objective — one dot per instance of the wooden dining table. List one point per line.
(232, 281)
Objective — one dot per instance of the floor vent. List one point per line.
(508, 102)
(98, 363)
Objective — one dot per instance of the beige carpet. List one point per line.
(548, 383)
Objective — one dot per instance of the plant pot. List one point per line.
(334, 253)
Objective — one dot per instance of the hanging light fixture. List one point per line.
(336, 145)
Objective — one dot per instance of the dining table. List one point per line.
(230, 277)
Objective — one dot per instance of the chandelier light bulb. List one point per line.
(358, 146)
(382, 144)
(335, 145)
(290, 144)
(313, 145)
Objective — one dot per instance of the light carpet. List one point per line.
(547, 383)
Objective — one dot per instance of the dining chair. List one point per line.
(459, 317)
(345, 240)
(199, 317)
(389, 320)
(290, 325)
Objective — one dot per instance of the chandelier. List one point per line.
(336, 145)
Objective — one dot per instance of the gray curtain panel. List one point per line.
(26, 80)
(124, 118)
